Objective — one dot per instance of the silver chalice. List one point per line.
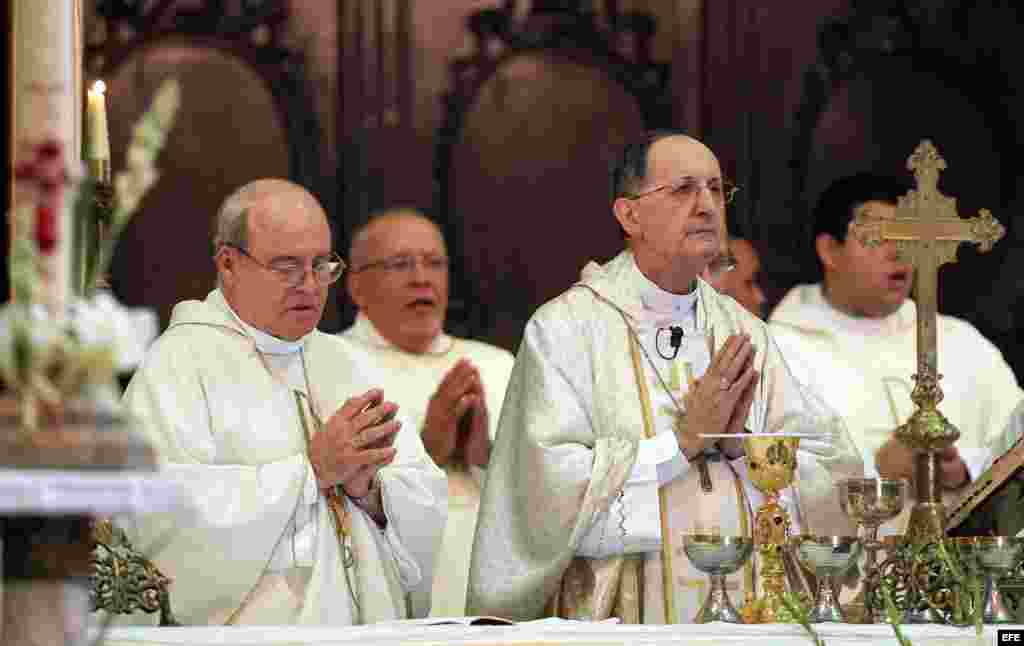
(998, 556)
(869, 502)
(717, 556)
(827, 557)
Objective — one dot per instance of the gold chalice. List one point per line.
(771, 464)
(717, 556)
(869, 502)
(827, 557)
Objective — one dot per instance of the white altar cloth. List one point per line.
(546, 633)
(42, 492)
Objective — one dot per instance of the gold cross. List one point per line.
(927, 231)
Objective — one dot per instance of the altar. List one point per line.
(548, 633)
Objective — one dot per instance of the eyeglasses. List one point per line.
(686, 188)
(722, 265)
(406, 263)
(326, 269)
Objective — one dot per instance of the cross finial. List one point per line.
(926, 163)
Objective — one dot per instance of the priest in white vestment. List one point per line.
(310, 507)
(853, 339)
(599, 466)
(450, 389)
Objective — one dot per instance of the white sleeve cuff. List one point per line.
(631, 525)
(870, 470)
(641, 518)
(658, 458)
(409, 572)
(311, 491)
(976, 460)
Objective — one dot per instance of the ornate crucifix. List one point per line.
(927, 231)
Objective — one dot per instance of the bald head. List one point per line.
(267, 200)
(399, 277)
(633, 166)
(263, 229)
(382, 226)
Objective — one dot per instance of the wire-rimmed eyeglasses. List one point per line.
(405, 263)
(685, 188)
(326, 269)
(722, 265)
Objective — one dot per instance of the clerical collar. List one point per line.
(663, 303)
(268, 343)
(365, 331)
(894, 323)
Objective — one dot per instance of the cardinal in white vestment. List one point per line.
(853, 339)
(310, 507)
(614, 384)
(450, 389)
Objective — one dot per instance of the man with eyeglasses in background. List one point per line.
(601, 463)
(735, 273)
(450, 388)
(311, 507)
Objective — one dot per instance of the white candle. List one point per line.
(99, 138)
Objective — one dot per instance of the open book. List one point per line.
(467, 621)
(992, 503)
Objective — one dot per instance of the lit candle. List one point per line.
(99, 140)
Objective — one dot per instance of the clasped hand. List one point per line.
(895, 461)
(457, 418)
(355, 444)
(720, 400)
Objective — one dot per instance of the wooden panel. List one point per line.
(530, 183)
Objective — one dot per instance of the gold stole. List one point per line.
(340, 514)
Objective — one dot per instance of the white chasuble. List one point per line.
(410, 380)
(259, 545)
(573, 444)
(863, 367)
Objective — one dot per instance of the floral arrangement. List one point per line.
(59, 355)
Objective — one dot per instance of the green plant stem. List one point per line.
(802, 616)
(894, 615)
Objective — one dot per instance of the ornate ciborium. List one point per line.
(869, 502)
(771, 463)
(827, 557)
(717, 556)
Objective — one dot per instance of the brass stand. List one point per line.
(927, 232)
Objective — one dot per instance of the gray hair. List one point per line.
(232, 224)
(630, 170)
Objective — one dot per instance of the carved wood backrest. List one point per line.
(615, 44)
(131, 44)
